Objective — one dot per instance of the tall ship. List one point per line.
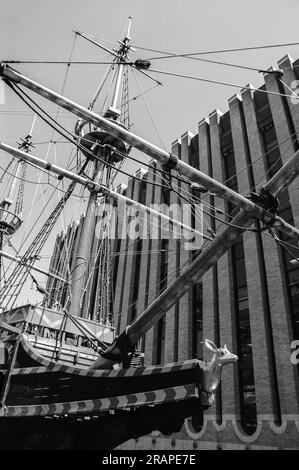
(67, 380)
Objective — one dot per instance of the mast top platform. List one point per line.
(9, 222)
(95, 140)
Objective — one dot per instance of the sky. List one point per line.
(43, 30)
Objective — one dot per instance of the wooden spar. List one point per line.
(95, 187)
(146, 147)
(39, 270)
(250, 210)
(197, 269)
(256, 211)
(152, 150)
(10, 328)
(124, 60)
(49, 166)
(284, 176)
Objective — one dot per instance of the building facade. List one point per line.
(248, 300)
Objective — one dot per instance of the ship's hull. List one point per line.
(111, 406)
(40, 387)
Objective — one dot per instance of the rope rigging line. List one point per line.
(4, 189)
(168, 276)
(218, 82)
(215, 51)
(64, 84)
(172, 275)
(144, 93)
(72, 135)
(282, 243)
(26, 144)
(100, 87)
(260, 90)
(7, 168)
(151, 225)
(174, 175)
(105, 257)
(26, 237)
(86, 332)
(66, 62)
(34, 249)
(75, 142)
(148, 111)
(123, 171)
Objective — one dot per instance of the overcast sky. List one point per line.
(42, 30)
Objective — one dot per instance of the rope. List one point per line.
(217, 51)
(217, 82)
(67, 62)
(148, 111)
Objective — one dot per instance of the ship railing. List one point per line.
(9, 221)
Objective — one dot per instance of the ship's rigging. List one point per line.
(61, 376)
(109, 153)
(13, 285)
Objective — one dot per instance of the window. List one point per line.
(245, 362)
(136, 265)
(160, 340)
(197, 321)
(136, 275)
(162, 287)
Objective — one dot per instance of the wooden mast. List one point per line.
(81, 267)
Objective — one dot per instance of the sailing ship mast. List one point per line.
(90, 392)
(94, 142)
(111, 129)
(11, 218)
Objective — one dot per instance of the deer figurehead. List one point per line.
(212, 369)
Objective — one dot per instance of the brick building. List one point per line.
(249, 300)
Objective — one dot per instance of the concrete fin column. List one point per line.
(121, 272)
(154, 271)
(75, 244)
(145, 229)
(51, 284)
(207, 279)
(256, 299)
(290, 79)
(94, 249)
(77, 239)
(283, 129)
(131, 258)
(185, 302)
(52, 267)
(225, 284)
(61, 261)
(95, 282)
(119, 221)
(276, 365)
(171, 329)
(66, 273)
